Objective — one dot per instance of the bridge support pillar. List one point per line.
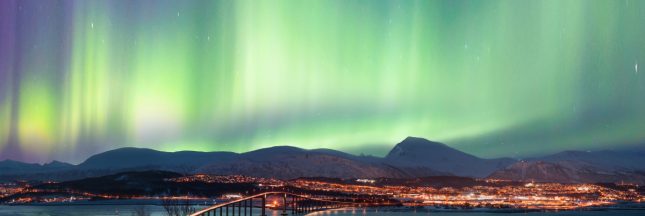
(293, 205)
(264, 205)
(284, 205)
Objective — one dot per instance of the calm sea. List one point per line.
(154, 210)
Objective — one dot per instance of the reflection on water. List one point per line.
(404, 212)
(99, 210)
(154, 210)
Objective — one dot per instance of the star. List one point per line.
(636, 68)
(92, 25)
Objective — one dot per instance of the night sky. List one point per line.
(491, 78)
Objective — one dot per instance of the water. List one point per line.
(155, 210)
(377, 212)
(99, 210)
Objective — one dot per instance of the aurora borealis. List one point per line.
(491, 78)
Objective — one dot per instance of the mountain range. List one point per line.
(413, 157)
(579, 167)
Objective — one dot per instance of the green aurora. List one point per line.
(491, 78)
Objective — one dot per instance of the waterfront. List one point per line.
(155, 210)
(442, 193)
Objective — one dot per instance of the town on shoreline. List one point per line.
(438, 193)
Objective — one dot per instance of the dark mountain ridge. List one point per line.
(414, 152)
(411, 158)
(129, 157)
(16, 167)
(286, 162)
(579, 167)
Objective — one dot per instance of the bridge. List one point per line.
(287, 202)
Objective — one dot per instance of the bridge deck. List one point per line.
(300, 204)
